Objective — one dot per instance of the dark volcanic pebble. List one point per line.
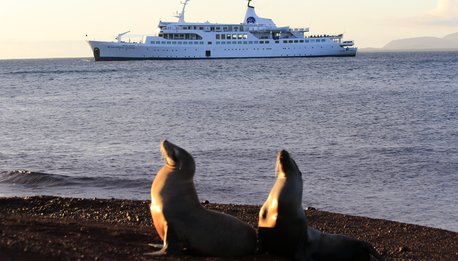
(53, 228)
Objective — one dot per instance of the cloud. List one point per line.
(445, 13)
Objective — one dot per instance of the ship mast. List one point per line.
(180, 16)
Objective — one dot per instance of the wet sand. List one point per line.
(53, 228)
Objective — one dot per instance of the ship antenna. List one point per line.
(180, 16)
(249, 1)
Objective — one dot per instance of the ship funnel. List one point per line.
(251, 18)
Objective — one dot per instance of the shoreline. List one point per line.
(55, 228)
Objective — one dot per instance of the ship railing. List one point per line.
(299, 30)
(260, 28)
(337, 36)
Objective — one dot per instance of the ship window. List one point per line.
(307, 41)
(240, 36)
(240, 42)
(228, 42)
(284, 41)
(267, 42)
(296, 41)
(229, 36)
(169, 42)
(223, 42)
(185, 42)
(245, 42)
(152, 42)
(256, 42)
(234, 42)
(301, 41)
(209, 42)
(223, 36)
(176, 42)
(217, 43)
(218, 37)
(322, 40)
(261, 42)
(218, 28)
(245, 36)
(163, 42)
(277, 41)
(234, 36)
(158, 42)
(250, 42)
(290, 41)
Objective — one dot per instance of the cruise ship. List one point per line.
(255, 37)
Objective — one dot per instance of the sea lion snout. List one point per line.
(167, 150)
(286, 164)
(283, 155)
(177, 157)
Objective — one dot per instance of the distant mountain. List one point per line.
(452, 37)
(424, 43)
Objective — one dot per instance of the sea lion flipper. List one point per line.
(302, 252)
(172, 245)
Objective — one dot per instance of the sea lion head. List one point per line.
(286, 166)
(177, 158)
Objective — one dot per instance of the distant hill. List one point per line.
(424, 43)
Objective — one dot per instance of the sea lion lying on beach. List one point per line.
(183, 223)
(283, 228)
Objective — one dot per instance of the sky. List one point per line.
(58, 28)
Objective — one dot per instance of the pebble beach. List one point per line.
(55, 228)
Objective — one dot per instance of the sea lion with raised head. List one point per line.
(282, 225)
(183, 223)
(283, 228)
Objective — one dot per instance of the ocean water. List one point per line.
(375, 135)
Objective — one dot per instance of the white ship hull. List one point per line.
(114, 51)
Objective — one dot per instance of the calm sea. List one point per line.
(375, 135)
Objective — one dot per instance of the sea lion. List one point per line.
(183, 223)
(283, 228)
(331, 247)
(282, 222)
